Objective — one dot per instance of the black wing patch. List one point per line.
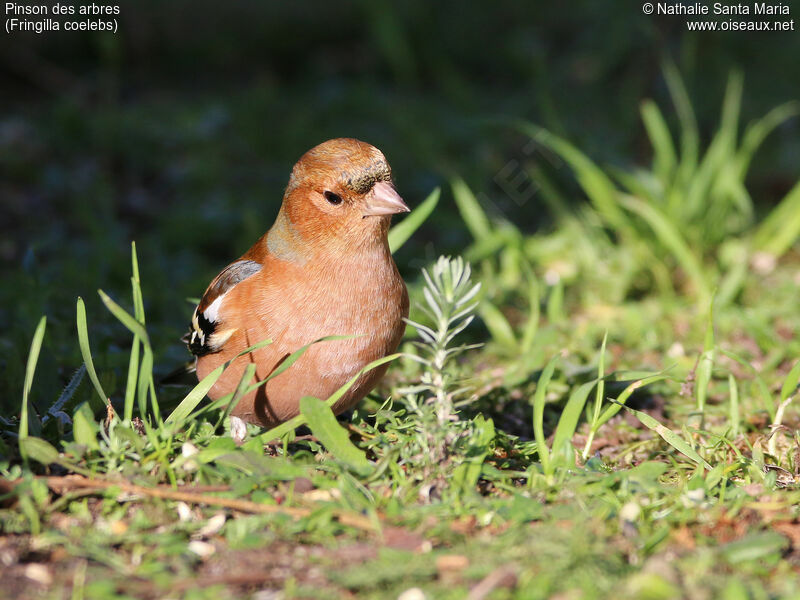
(205, 337)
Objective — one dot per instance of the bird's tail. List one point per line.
(183, 375)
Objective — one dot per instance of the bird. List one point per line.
(323, 269)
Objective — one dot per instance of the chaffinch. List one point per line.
(324, 268)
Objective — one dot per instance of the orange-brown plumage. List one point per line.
(324, 268)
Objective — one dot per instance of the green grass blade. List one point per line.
(125, 318)
(790, 383)
(757, 131)
(598, 398)
(595, 183)
(669, 235)
(568, 422)
(534, 309)
(706, 365)
(616, 405)
(292, 424)
(539, 399)
(737, 268)
(471, 211)
(669, 436)
(194, 397)
(338, 394)
(731, 107)
(86, 353)
(400, 233)
(249, 373)
(761, 385)
(689, 137)
(282, 367)
(779, 231)
(136, 287)
(30, 369)
(499, 328)
(555, 303)
(733, 415)
(133, 383)
(717, 172)
(292, 358)
(664, 157)
(639, 183)
(487, 246)
(601, 372)
(130, 384)
(326, 428)
(143, 385)
(551, 195)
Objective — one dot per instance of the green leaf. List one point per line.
(125, 318)
(758, 130)
(130, 385)
(599, 188)
(400, 233)
(568, 422)
(539, 399)
(755, 546)
(601, 373)
(532, 324)
(594, 414)
(194, 397)
(249, 373)
(326, 428)
(292, 424)
(555, 303)
(790, 383)
(669, 436)
(664, 150)
(38, 450)
(497, 324)
(733, 416)
(145, 377)
(617, 405)
(779, 231)
(30, 369)
(86, 353)
(136, 286)
(292, 358)
(465, 476)
(690, 138)
(761, 385)
(84, 427)
(471, 211)
(669, 234)
(706, 365)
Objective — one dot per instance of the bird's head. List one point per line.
(340, 193)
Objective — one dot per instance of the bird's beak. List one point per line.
(383, 199)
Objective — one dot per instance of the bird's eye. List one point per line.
(332, 198)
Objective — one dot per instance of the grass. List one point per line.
(573, 413)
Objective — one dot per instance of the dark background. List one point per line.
(179, 132)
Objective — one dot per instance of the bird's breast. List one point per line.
(363, 300)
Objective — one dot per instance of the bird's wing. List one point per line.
(205, 336)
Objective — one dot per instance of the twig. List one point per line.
(68, 483)
(505, 576)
